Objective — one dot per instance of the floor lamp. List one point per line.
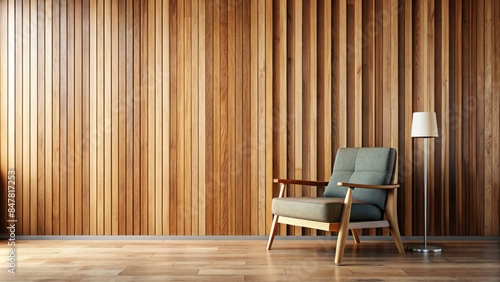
(424, 125)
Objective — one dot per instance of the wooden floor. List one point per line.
(246, 260)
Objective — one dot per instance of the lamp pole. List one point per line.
(426, 144)
(424, 125)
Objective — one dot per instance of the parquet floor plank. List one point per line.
(246, 260)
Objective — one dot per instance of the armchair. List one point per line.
(361, 194)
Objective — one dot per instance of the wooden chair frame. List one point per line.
(390, 215)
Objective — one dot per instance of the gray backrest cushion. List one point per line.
(363, 166)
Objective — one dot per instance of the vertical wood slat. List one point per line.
(126, 218)
(71, 159)
(442, 106)
(495, 194)
(209, 92)
(79, 108)
(216, 229)
(7, 102)
(419, 100)
(143, 118)
(358, 74)
(325, 154)
(479, 81)
(5, 24)
(122, 110)
(408, 94)
(11, 87)
(294, 101)
(85, 118)
(150, 122)
(340, 74)
(201, 118)
(87, 169)
(489, 29)
(111, 142)
(269, 112)
(368, 73)
(253, 117)
(261, 112)
(92, 118)
(166, 117)
(194, 103)
(180, 183)
(63, 117)
(430, 85)
(238, 65)
(172, 118)
(136, 102)
(279, 97)
(394, 96)
(458, 149)
(137, 116)
(33, 123)
(18, 110)
(100, 119)
(245, 145)
(231, 88)
(25, 176)
(187, 119)
(309, 97)
(158, 118)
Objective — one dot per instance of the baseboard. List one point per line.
(312, 238)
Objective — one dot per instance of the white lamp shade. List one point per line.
(424, 125)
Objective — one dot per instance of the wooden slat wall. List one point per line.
(161, 117)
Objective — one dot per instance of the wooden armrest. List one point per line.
(300, 182)
(369, 186)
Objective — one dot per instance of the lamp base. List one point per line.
(424, 249)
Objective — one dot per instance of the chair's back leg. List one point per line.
(355, 235)
(395, 234)
(392, 217)
(272, 233)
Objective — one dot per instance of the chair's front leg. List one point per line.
(344, 226)
(272, 233)
(274, 225)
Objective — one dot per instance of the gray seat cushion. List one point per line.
(364, 166)
(323, 209)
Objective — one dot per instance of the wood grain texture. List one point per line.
(25, 102)
(324, 89)
(202, 141)
(488, 108)
(79, 108)
(63, 118)
(18, 107)
(279, 95)
(85, 118)
(71, 68)
(368, 73)
(339, 74)
(33, 84)
(407, 177)
(158, 106)
(92, 118)
(294, 101)
(111, 104)
(172, 117)
(269, 112)
(246, 260)
(4, 92)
